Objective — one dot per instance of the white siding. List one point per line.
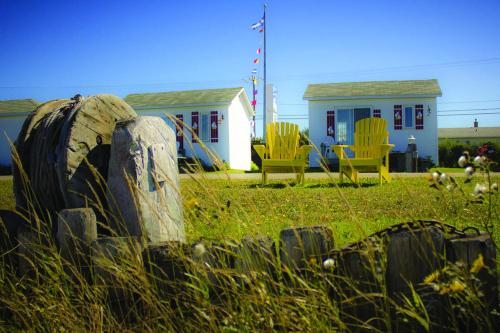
(9, 130)
(220, 149)
(426, 139)
(239, 136)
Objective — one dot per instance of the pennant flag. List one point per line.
(256, 61)
(261, 30)
(254, 102)
(255, 92)
(258, 25)
(258, 50)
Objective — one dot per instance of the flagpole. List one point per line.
(265, 87)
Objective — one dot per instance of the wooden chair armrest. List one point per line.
(261, 151)
(385, 148)
(339, 150)
(302, 152)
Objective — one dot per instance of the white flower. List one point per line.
(199, 250)
(479, 160)
(443, 178)
(462, 161)
(329, 263)
(480, 189)
(450, 187)
(469, 171)
(435, 176)
(494, 187)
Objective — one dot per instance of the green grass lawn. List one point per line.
(448, 170)
(218, 209)
(234, 209)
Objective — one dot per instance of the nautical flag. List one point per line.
(256, 61)
(254, 72)
(254, 102)
(258, 50)
(255, 92)
(258, 25)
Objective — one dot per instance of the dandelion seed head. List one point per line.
(469, 171)
(480, 160)
(462, 161)
(329, 263)
(435, 176)
(443, 178)
(480, 189)
(199, 250)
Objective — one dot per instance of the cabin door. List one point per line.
(346, 118)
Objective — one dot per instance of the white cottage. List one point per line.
(408, 106)
(12, 116)
(221, 119)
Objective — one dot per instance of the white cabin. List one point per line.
(408, 106)
(220, 118)
(12, 116)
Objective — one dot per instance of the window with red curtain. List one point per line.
(419, 117)
(377, 113)
(179, 127)
(398, 117)
(330, 123)
(214, 127)
(195, 125)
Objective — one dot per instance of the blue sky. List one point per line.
(54, 49)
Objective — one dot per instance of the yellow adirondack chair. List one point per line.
(282, 152)
(371, 151)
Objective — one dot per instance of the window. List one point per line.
(408, 117)
(205, 127)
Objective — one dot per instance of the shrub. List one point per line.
(450, 152)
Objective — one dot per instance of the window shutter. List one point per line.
(398, 117)
(195, 126)
(376, 113)
(214, 127)
(419, 117)
(179, 128)
(330, 123)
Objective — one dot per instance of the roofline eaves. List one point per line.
(370, 97)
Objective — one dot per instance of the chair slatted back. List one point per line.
(369, 133)
(282, 139)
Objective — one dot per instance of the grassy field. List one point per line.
(57, 296)
(217, 209)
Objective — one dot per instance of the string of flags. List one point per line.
(259, 25)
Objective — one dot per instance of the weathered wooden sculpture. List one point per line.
(143, 181)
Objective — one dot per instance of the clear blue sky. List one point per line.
(54, 49)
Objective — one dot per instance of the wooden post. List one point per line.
(168, 266)
(411, 256)
(464, 252)
(118, 254)
(76, 230)
(216, 261)
(359, 284)
(305, 248)
(258, 255)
